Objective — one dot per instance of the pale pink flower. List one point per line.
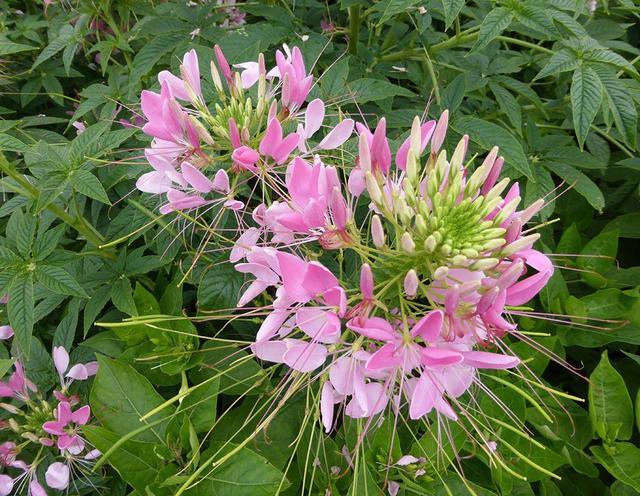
(66, 427)
(57, 476)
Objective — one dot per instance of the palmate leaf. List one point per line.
(495, 23)
(58, 280)
(586, 97)
(64, 38)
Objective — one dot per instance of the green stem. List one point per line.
(354, 28)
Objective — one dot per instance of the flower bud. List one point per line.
(526, 215)
(445, 250)
(421, 225)
(507, 211)
(217, 82)
(373, 188)
(520, 244)
(364, 153)
(441, 273)
(440, 132)
(430, 243)
(407, 243)
(485, 264)
(415, 142)
(377, 232)
(245, 157)
(411, 283)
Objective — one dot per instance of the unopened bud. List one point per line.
(407, 243)
(421, 225)
(497, 189)
(430, 243)
(531, 210)
(415, 143)
(470, 252)
(458, 157)
(377, 232)
(459, 260)
(445, 250)
(14, 425)
(411, 283)
(506, 211)
(492, 244)
(364, 153)
(30, 436)
(485, 264)
(441, 273)
(217, 82)
(10, 408)
(520, 244)
(412, 166)
(373, 188)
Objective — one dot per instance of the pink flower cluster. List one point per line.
(61, 434)
(443, 255)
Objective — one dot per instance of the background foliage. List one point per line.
(553, 82)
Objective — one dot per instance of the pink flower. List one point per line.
(66, 427)
(78, 372)
(187, 88)
(295, 82)
(273, 145)
(377, 158)
(313, 117)
(245, 158)
(18, 386)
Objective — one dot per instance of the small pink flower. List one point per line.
(66, 426)
(78, 372)
(245, 158)
(6, 332)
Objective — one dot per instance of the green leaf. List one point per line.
(5, 365)
(487, 135)
(8, 47)
(244, 474)
(391, 8)
(87, 184)
(20, 309)
(453, 94)
(58, 280)
(586, 97)
(535, 18)
(64, 37)
(151, 53)
(451, 10)
(120, 396)
(136, 462)
(363, 482)
(581, 183)
(508, 105)
(47, 242)
(606, 56)
(11, 144)
(493, 24)
(200, 406)
(372, 90)
(610, 405)
(25, 231)
(597, 257)
(122, 296)
(561, 61)
(220, 287)
(623, 109)
(622, 460)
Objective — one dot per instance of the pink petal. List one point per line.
(338, 135)
(313, 117)
(54, 427)
(254, 289)
(92, 368)
(271, 351)
(319, 324)
(60, 359)
(78, 372)
(271, 325)
(57, 476)
(81, 415)
(284, 148)
(385, 357)
(326, 406)
(63, 413)
(36, 488)
(426, 131)
(356, 183)
(429, 327)
(6, 484)
(195, 178)
(374, 328)
(366, 281)
(486, 360)
(191, 71)
(221, 181)
(244, 243)
(6, 332)
(175, 84)
(318, 279)
(153, 182)
(272, 138)
(292, 271)
(303, 356)
(422, 397)
(439, 356)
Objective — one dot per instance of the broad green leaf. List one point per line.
(626, 225)
(597, 257)
(244, 474)
(58, 280)
(20, 310)
(47, 242)
(610, 406)
(363, 483)
(586, 97)
(508, 105)
(200, 406)
(120, 396)
(151, 53)
(25, 231)
(492, 25)
(453, 94)
(11, 144)
(561, 61)
(487, 135)
(122, 296)
(390, 8)
(581, 183)
(5, 365)
(536, 18)
(220, 287)
(606, 56)
(8, 47)
(64, 38)
(451, 10)
(622, 460)
(137, 463)
(372, 90)
(87, 184)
